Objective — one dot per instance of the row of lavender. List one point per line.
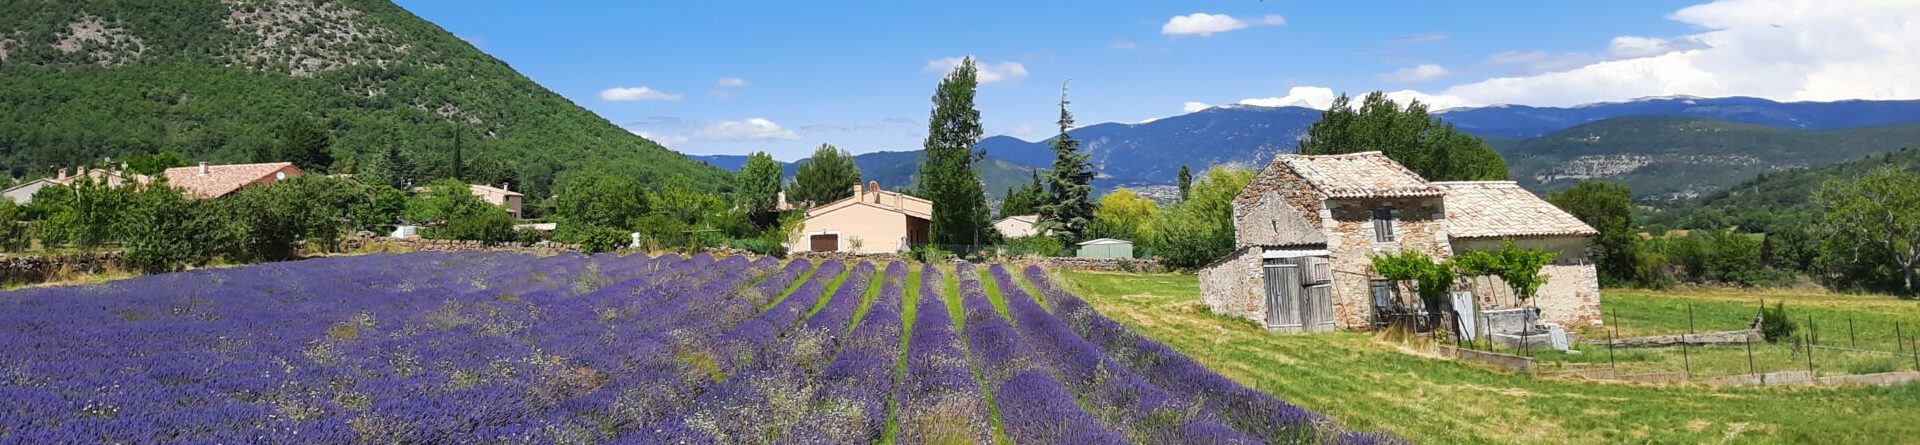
(458, 348)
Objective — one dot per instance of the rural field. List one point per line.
(1370, 385)
(500, 348)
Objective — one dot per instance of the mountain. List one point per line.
(211, 79)
(1773, 200)
(1683, 157)
(1152, 152)
(896, 169)
(1522, 122)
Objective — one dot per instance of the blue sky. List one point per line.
(734, 77)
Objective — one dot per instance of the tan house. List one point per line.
(1483, 215)
(1307, 226)
(869, 222)
(215, 181)
(1018, 226)
(499, 196)
(23, 193)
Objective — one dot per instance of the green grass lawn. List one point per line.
(1369, 385)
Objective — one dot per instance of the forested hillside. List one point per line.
(1664, 157)
(895, 169)
(212, 80)
(1774, 200)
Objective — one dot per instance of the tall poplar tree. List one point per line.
(1069, 206)
(1186, 182)
(947, 177)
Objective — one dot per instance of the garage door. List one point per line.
(826, 243)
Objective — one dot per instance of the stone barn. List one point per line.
(1305, 228)
(1482, 215)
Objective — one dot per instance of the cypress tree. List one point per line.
(947, 176)
(1069, 206)
(458, 163)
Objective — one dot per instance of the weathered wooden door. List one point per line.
(826, 243)
(1283, 295)
(1317, 308)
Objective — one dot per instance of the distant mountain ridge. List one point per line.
(1521, 122)
(896, 169)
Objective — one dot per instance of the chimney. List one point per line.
(63, 173)
(203, 169)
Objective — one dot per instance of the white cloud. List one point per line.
(1322, 97)
(669, 140)
(637, 94)
(1194, 106)
(1022, 131)
(1204, 24)
(1123, 45)
(1791, 50)
(753, 129)
(1422, 73)
(724, 87)
(989, 72)
(1421, 38)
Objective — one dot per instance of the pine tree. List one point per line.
(826, 177)
(1409, 135)
(1069, 207)
(1186, 182)
(1025, 200)
(947, 176)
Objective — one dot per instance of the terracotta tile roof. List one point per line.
(1501, 209)
(1358, 175)
(221, 180)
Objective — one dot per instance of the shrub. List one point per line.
(602, 239)
(1775, 325)
(165, 231)
(928, 253)
(528, 237)
(760, 246)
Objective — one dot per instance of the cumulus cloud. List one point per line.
(630, 94)
(752, 129)
(669, 140)
(882, 124)
(1322, 97)
(1194, 106)
(1422, 73)
(1791, 50)
(989, 72)
(1204, 24)
(1022, 131)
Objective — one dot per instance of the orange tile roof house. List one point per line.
(871, 221)
(499, 196)
(215, 181)
(1306, 227)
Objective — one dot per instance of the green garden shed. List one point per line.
(1106, 248)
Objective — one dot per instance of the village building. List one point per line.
(872, 221)
(1483, 215)
(214, 181)
(500, 197)
(1306, 228)
(23, 193)
(1018, 226)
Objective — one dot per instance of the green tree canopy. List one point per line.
(1608, 207)
(303, 143)
(756, 189)
(828, 176)
(1876, 219)
(1186, 182)
(165, 231)
(1025, 200)
(947, 176)
(1200, 230)
(602, 200)
(1422, 143)
(1122, 214)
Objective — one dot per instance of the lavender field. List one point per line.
(499, 348)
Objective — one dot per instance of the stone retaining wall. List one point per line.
(1506, 361)
(1706, 338)
(433, 245)
(40, 268)
(1092, 264)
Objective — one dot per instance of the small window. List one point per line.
(1383, 225)
(1383, 294)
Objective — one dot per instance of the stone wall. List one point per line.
(41, 268)
(1235, 286)
(1418, 225)
(1092, 264)
(1704, 338)
(1571, 295)
(1278, 208)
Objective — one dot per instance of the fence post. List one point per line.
(1897, 336)
(1853, 340)
(1686, 359)
(1610, 364)
(1750, 368)
(1810, 371)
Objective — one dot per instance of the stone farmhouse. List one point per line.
(501, 197)
(1306, 227)
(872, 221)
